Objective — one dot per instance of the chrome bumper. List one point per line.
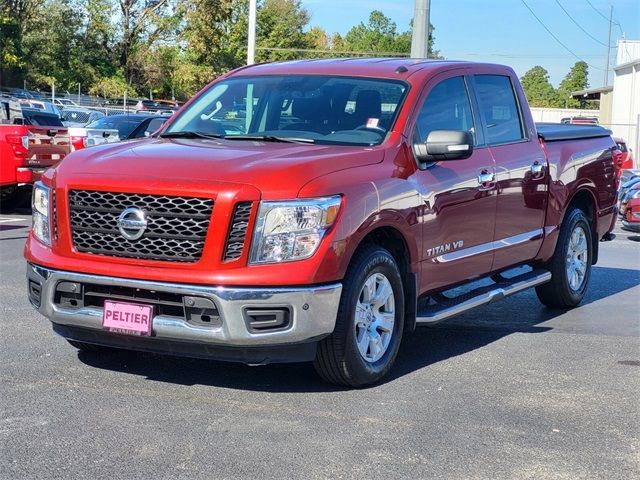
(313, 310)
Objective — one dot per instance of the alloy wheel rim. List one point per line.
(374, 317)
(577, 258)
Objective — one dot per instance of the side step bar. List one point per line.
(443, 307)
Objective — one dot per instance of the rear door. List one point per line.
(459, 195)
(521, 170)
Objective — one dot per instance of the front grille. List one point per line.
(176, 229)
(237, 231)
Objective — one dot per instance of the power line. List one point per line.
(605, 17)
(580, 27)
(556, 38)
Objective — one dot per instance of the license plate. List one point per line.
(127, 318)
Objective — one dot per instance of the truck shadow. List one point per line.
(521, 313)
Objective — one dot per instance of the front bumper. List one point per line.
(311, 316)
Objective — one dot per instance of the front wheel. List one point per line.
(369, 326)
(571, 263)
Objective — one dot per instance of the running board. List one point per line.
(444, 307)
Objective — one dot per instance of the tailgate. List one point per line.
(99, 136)
(47, 146)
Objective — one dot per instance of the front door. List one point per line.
(459, 196)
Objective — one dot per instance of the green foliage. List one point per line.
(281, 25)
(11, 59)
(112, 87)
(576, 79)
(539, 92)
(166, 47)
(380, 35)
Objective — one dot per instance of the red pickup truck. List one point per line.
(27, 150)
(319, 211)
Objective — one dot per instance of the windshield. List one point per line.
(319, 108)
(124, 125)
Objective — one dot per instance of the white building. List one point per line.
(625, 105)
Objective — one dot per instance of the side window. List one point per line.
(154, 125)
(499, 109)
(447, 107)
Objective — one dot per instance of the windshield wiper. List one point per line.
(190, 134)
(269, 138)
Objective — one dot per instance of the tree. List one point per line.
(137, 19)
(51, 43)
(380, 35)
(576, 79)
(281, 24)
(11, 60)
(538, 89)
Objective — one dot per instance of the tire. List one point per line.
(570, 265)
(90, 347)
(361, 352)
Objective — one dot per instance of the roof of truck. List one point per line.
(373, 67)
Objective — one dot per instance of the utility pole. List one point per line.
(606, 69)
(420, 34)
(251, 43)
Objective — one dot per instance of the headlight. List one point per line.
(292, 230)
(40, 213)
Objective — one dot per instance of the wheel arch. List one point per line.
(585, 200)
(392, 240)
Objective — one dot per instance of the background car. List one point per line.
(79, 117)
(64, 102)
(625, 162)
(40, 118)
(41, 105)
(630, 191)
(130, 126)
(631, 219)
(115, 128)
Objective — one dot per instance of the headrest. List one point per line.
(310, 108)
(368, 104)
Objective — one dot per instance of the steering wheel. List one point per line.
(376, 129)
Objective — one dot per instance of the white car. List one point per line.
(64, 102)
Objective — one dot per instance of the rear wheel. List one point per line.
(571, 263)
(369, 326)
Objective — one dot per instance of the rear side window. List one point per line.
(446, 108)
(44, 120)
(499, 108)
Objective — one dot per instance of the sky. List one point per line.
(505, 31)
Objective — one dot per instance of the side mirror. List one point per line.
(444, 145)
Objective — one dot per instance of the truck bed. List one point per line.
(555, 132)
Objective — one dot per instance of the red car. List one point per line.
(624, 161)
(26, 151)
(319, 211)
(632, 216)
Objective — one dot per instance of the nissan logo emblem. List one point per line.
(132, 223)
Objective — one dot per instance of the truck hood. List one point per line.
(278, 170)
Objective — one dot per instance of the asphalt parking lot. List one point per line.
(510, 391)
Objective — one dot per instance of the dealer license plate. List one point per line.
(127, 318)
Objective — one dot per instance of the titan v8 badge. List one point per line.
(444, 248)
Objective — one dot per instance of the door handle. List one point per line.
(537, 168)
(486, 177)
